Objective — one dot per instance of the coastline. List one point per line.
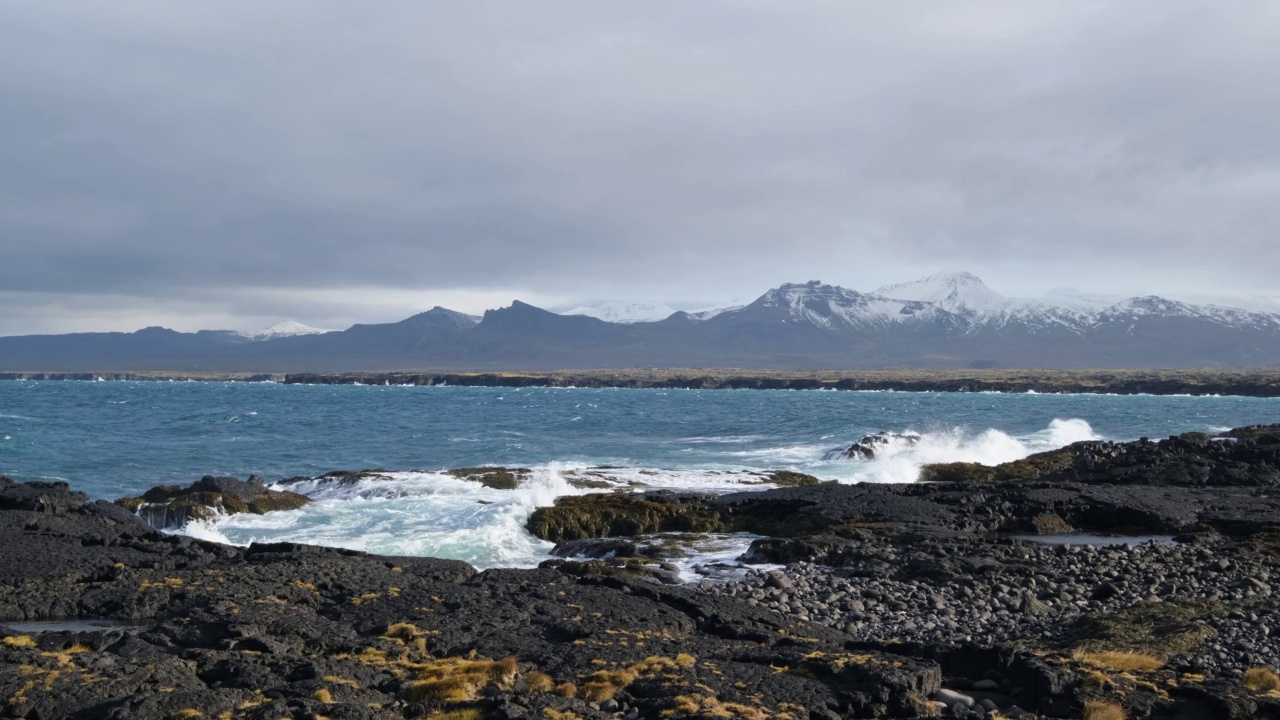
(902, 601)
(1237, 382)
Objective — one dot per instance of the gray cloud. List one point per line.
(237, 161)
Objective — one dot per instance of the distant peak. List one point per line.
(961, 292)
(285, 328)
(624, 311)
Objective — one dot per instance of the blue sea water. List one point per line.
(114, 439)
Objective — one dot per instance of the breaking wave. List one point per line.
(436, 514)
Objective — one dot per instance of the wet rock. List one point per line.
(868, 447)
(284, 628)
(498, 478)
(172, 506)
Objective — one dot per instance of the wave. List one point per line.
(900, 461)
(431, 513)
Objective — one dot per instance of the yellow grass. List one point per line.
(458, 679)
(1118, 660)
(1102, 710)
(323, 695)
(539, 682)
(1260, 679)
(19, 641)
(463, 714)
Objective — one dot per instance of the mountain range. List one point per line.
(950, 320)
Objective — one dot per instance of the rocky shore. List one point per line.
(935, 599)
(1259, 382)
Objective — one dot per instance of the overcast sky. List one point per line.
(234, 163)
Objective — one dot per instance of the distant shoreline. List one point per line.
(1248, 382)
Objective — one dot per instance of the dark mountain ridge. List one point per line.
(945, 321)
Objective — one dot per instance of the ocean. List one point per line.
(117, 439)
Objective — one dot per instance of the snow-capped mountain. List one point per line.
(958, 292)
(951, 320)
(831, 307)
(624, 312)
(708, 313)
(287, 328)
(1252, 303)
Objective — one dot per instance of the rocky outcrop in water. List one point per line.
(172, 506)
(871, 445)
(895, 601)
(1244, 457)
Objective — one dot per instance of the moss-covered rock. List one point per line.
(498, 478)
(622, 514)
(1261, 434)
(1032, 467)
(1165, 630)
(172, 506)
(788, 478)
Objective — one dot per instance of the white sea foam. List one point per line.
(901, 462)
(436, 514)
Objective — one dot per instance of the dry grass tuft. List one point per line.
(19, 641)
(712, 707)
(323, 695)
(463, 714)
(1118, 660)
(1260, 680)
(1102, 710)
(186, 714)
(335, 680)
(539, 682)
(459, 679)
(1095, 680)
(567, 689)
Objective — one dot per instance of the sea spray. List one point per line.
(433, 513)
(900, 462)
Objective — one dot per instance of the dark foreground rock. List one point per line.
(1164, 629)
(287, 630)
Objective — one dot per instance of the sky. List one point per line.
(231, 164)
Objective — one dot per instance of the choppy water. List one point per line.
(118, 439)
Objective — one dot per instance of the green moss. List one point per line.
(1165, 630)
(274, 500)
(1032, 467)
(620, 515)
(787, 478)
(498, 478)
(131, 504)
(199, 504)
(1050, 524)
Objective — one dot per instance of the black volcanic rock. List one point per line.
(1243, 457)
(172, 506)
(870, 445)
(303, 631)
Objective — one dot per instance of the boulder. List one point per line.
(172, 506)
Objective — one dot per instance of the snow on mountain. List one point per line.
(1074, 298)
(832, 307)
(287, 328)
(709, 313)
(958, 301)
(1252, 303)
(624, 312)
(960, 292)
